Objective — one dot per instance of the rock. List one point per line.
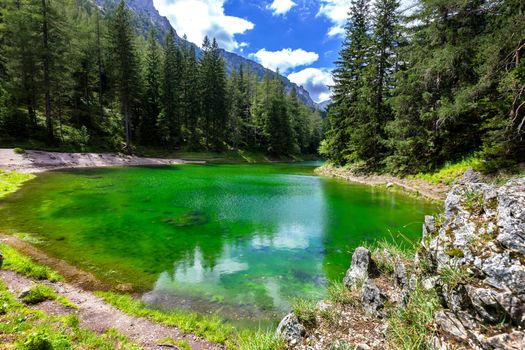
(24, 293)
(429, 227)
(323, 305)
(1, 259)
(506, 341)
(400, 274)
(511, 215)
(513, 305)
(291, 330)
(456, 298)
(371, 298)
(503, 272)
(389, 185)
(449, 324)
(430, 282)
(484, 302)
(362, 346)
(362, 267)
(469, 176)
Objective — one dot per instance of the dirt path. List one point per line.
(432, 191)
(40, 161)
(96, 315)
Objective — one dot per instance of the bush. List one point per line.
(18, 150)
(38, 341)
(39, 293)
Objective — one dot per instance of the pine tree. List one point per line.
(190, 99)
(125, 66)
(152, 92)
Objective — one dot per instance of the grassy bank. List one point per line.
(10, 181)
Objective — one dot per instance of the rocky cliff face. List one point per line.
(471, 261)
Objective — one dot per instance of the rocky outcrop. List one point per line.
(472, 256)
(362, 267)
(477, 254)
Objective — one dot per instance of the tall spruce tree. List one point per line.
(152, 92)
(125, 61)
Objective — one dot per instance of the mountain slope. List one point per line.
(147, 17)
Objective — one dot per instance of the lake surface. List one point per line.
(241, 240)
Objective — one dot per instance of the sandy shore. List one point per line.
(437, 192)
(39, 161)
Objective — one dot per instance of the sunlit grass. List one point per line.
(10, 181)
(20, 263)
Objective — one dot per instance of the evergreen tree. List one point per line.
(125, 66)
(152, 92)
(190, 98)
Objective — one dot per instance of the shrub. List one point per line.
(18, 150)
(38, 341)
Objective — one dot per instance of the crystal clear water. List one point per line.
(241, 240)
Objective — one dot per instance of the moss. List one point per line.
(455, 253)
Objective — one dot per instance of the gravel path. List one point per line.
(98, 316)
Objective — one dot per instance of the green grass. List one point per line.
(10, 181)
(385, 251)
(22, 327)
(454, 275)
(338, 294)
(450, 171)
(17, 262)
(210, 327)
(305, 311)
(409, 327)
(261, 340)
(41, 292)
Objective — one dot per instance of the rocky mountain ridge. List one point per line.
(463, 289)
(148, 17)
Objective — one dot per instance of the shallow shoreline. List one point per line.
(31, 162)
(418, 187)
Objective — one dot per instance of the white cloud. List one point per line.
(337, 12)
(284, 59)
(316, 81)
(281, 7)
(198, 18)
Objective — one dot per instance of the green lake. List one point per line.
(240, 240)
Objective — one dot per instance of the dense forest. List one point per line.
(72, 76)
(435, 84)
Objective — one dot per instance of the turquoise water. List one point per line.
(241, 240)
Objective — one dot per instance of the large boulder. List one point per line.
(292, 331)
(362, 267)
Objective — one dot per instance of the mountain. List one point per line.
(147, 17)
(323, 106)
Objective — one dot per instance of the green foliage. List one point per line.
(409, 327)
(17, 262)
(455, 90)
(454, 275)
(18, 150)
(209, 327)
(41, 292)
(305, 311)
(450, 172)
(96, 84)
(261, 340)
(339, 294)
(26, 328)
(10, 181)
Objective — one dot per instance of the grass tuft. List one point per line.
(454, 275)
(17, 262)
(41, 292)
(305, 311)
(261, 340)
(338, 294)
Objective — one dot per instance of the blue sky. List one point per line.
(301, 38)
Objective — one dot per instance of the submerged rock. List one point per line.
(292, 331)
(362, 267)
